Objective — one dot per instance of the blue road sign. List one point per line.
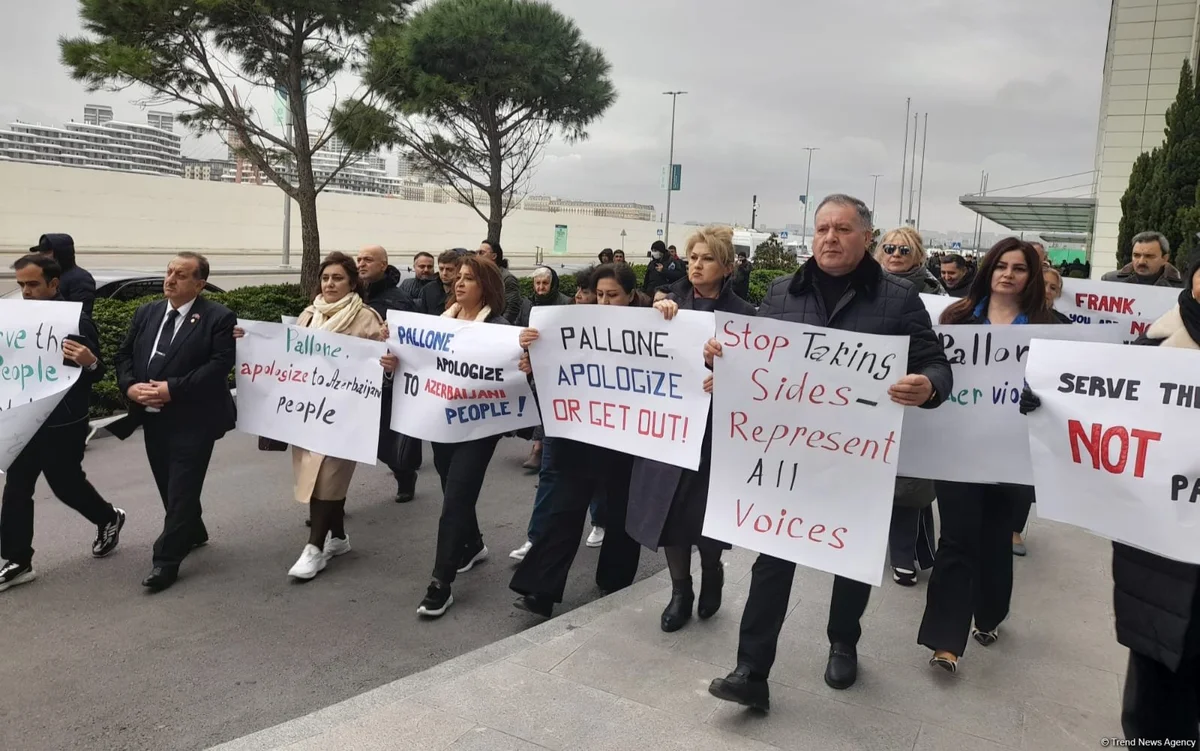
(783, 235)
(660, 233)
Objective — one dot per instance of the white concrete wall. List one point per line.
(118, 215)
(1148, 42)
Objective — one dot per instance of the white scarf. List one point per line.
(1171, 330)
(455, 309)
(336, 317)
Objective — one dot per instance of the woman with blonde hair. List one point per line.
(901, 253)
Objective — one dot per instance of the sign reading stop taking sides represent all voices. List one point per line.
(806, 442)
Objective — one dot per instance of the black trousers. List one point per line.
(179, 458)
(582, 469)
(461, 468)
(767, 606)
(911, 539)
(973, 573)
(1021, 509)
(1160, 704)
(56, 453)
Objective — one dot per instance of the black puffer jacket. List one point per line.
(383, 294)
(1157, 612)
(75, 284)
(874, 303)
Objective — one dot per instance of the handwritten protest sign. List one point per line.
(458, 380)
(33, 378)
(805, 443)
(978, 434)
(311, 388)
(1132, 307)
(624, 378)
(1114, 442)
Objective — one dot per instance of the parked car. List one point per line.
(123, 284)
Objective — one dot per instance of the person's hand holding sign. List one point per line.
(712, 350)
(911, 391)
(78, 353)
(390, 363)
(667, 307)
(528, 336)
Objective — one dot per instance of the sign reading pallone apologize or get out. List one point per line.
(458, 380)
(806, 442)
(1114, 442)
(624, 378)
(978, 433)
(311, 388)
(33, 378)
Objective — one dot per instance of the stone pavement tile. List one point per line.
(567, 716)
(403, 726)
(802, 721)
(1066, 682)
(1053, 726)
(921, 694)
(559, 625)
(545, 657)
(650, 675)
(937, 738)
(640, 621)
(487, 739)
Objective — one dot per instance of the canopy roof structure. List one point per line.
(1035, 214)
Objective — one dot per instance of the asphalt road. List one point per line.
(93, 662)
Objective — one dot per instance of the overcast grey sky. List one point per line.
(1012, 87)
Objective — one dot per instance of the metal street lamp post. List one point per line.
(670, 166)
(807, 197)
(874, 192)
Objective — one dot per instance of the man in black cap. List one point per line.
(75, 284)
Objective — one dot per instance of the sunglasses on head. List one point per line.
(894, 249)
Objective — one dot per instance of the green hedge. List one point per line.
(760, 279)
(265, 303)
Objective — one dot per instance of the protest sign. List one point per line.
(311, 388)
(1114, 442)
(33, 377)
(805, 443)
(1132, 307)
(978, 433)
(936, 305)
(624, 378)
(458, 380)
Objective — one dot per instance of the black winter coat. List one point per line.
(875, 303)
(384, 294)
(1156, 609)
(74, 406)
(75, 284)
(433, 299)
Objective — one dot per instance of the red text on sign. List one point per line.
(1099, 443)
(793, 527)
(1105, 303)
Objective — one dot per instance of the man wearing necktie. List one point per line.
(174, 369)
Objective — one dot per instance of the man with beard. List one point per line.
(1150, 265)
(424, 272)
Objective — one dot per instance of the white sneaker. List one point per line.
(335, 546)
(519, 553)
(312, 560)
(596, 538)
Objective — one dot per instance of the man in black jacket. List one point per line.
(956, 276)
(399, 453)
(663, 270)
(741, 276)
(840, 287)
(424, 272)
(56, 450)
(434, 296)
(76, 285)
(174, 369)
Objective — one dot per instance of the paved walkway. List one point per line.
(605, 677)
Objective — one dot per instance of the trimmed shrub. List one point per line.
(112, 318)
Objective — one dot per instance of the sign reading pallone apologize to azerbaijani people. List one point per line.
(458, 380)
(805, 443)
(311, 388)
(1114, 442)
(624, 378)
(33, 378)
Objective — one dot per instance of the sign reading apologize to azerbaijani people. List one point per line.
(458, 380)
(1132, 307)
(624, 378)
(311, 388)
(33, 377)
(978, 433)
(1114, 442)
(806, 442)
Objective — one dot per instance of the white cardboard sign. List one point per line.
(1131, 307)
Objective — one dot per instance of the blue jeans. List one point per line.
(547, 479)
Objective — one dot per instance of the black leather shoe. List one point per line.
(679, 610)
(712, 581)
(842, 670)
(160, 578)
(200, 542)
(536, 604)
(739, 687)
(406, 486)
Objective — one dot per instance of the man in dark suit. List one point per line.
(56, 449)
(174, 368)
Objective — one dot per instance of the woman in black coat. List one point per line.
(667, 503)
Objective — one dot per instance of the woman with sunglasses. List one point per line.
(911, 541)
(973, 575)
